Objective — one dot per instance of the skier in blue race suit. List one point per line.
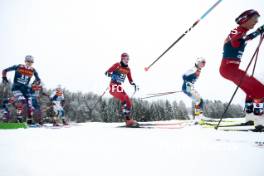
(36, 91)
(189, 78)
(20, 88)
(58, 102)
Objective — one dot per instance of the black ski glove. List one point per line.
(108, 74)
(5, 81)
(37, 82)
(135, 86)
(261, 29)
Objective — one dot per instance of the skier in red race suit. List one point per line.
(234, 47)
(118, 73)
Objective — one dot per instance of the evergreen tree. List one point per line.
(81, 107)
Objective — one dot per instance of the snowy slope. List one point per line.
(101, 149)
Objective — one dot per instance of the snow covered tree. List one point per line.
(82, 107)
(182, 111)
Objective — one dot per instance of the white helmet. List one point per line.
(200, 60)
(59, 87)
(29, 58)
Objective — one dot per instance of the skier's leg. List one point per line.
(56, 112)
(129, 121)
(258, 110)
(37, 111)
(197, 101)
(121, 95)
(249, 85)
(30, 111)
(252, 87)
(189, 90)
(250, 117)
(198, 107)
(61, 114)
(19, 103)
(125, 102)
(64, 120)
(117, 92)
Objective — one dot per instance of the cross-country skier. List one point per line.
(118, 73)
(234, 47)
(189, 78)
(58, 101)
(36, 90)
(20, 89)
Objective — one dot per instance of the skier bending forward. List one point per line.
(234, 47)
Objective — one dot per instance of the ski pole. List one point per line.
(241, 80)
(188, 30)
(99, 98)
(133, 94)
(135, 90)
(160, 94)
(164, 93)
(255, 64)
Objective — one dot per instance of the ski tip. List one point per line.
(146, 69)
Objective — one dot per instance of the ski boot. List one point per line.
(198, 116)
(198, 120)
(30, 121)
(250, 117)
(6, 116)
(259, 124)
(64, 122)
(125, 111)
(258, 107)
(19, 113)
(197, 110)
(259, 128)
(38, 122)
(249, 106)
(41, 122)
(131, 123)
(30, 118)
(19, 119)
(55, 122)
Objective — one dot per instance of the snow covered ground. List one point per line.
(94, 149)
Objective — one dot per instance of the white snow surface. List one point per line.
(101, 149)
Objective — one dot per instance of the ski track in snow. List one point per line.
(101, 149)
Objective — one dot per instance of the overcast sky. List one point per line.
(75, 41)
